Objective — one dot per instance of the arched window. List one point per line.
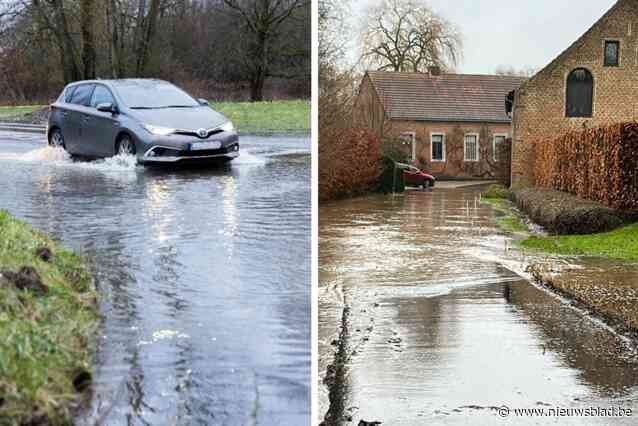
(580, 93)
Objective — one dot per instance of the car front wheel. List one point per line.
(125, 146)
(426, 184)
(56, 139)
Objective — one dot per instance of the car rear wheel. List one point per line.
(125, 146)
(56, 139)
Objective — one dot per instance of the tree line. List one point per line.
(222, 49)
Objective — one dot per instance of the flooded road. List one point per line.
(204, 277)
(419, 300)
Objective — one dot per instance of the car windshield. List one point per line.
(154, 95)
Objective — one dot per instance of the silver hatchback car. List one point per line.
(152, 119)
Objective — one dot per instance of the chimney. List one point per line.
(434, 70)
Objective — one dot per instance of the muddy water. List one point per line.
(440, 330)
(205, 278)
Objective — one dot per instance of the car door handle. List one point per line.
(87, 118)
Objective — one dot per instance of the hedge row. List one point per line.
(598, 164)
(349, 163)
(564, 214)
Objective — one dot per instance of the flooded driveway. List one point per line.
(204, 276)
(430, 324)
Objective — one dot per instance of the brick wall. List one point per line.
(539, 113)
(454, 164)
(368, 110)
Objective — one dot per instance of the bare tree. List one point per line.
(88, 37)
(516, 72)
(265, 45)
(263, 19)
(56, 21)
(405, 35)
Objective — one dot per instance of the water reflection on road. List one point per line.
(205, 278)
(441, 331)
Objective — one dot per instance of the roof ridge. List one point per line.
(425, 74)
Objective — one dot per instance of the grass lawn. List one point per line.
(265, 117)
(497, 196)
(249, 117)
(46, 338)
(621, 244)
(11, 111)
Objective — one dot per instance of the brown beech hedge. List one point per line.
(598, 164)
(349, 163)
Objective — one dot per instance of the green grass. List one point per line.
(267, 117)
(249, 117)
(45, 340)
(12, 111)
(497, 191)
(620, 244)
(509, 221)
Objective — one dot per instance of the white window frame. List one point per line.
(497, 135)
(412, 139)
(478, 145)
(432, 146)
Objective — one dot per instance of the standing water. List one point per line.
(422, 321)
(204, 276)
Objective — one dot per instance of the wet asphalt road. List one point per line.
(441, 330)
(204, 276)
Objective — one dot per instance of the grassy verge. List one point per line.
(47, 333)
(267, 117)
(620, 244)
(249, 117)
(12, 111)
(508, 220)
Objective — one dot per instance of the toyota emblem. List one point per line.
(202, 133)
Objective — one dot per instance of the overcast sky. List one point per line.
(528, 33)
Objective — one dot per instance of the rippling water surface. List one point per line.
(442, 329)
(204, 276)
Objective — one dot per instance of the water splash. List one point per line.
(247, 158)
(60, 158)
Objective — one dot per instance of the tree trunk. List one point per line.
(88, 38)
(261, 71)
(147, 38)
(71, 68)
(139, 33)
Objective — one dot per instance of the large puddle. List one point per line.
(441, 330)
(204, 276)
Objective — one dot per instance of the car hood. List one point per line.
(180, 118)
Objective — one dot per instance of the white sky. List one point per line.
(518, 33)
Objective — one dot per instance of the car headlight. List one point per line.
(228, 126)
(159, 130)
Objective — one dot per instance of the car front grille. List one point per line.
(193, 133)
(168, 152)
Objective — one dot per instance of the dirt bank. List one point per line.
(609, 291)
(48, 321)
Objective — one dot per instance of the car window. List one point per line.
(101, 95)
(68, 92)
(82, 94)
(152, 94)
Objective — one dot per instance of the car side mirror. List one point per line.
(202, 102)
(107, 107)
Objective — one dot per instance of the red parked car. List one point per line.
(415, 177)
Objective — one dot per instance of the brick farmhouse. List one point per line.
(452, 125)
(592, 83)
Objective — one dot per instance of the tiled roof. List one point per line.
(448, 97)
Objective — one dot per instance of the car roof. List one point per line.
(141, 82)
